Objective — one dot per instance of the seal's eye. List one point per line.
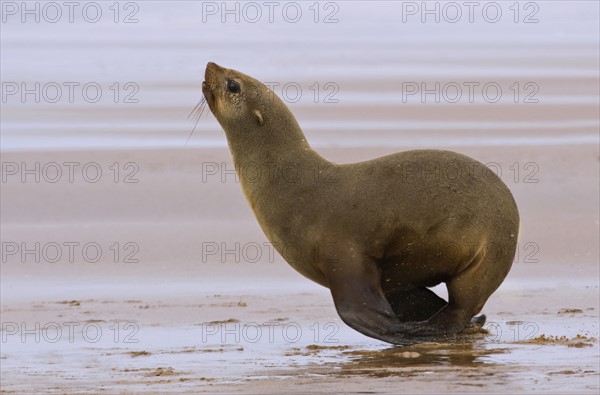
(233, 86)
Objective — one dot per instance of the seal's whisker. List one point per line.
(201, 111)
(203, 106)
(196, 107)
(197, 112)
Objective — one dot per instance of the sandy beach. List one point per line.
(132, 263)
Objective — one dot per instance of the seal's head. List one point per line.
(261, 131)
(256, 121)
(233, 97)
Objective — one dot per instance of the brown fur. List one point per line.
(377, 233)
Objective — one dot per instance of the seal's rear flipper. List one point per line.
(478, 321)
(475, 326)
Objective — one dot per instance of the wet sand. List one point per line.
(177, 348)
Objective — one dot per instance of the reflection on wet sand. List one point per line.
(391, 361)
(398, 361)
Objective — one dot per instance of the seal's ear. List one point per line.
(258, 116)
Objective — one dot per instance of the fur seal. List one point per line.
(378, 233)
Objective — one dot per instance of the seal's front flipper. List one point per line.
(359, 300)
(418, 304)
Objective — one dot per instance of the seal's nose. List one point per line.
(212, 68)
(210, 71)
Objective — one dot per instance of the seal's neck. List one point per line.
(278, 145)
(283, 142)
(273, 159)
